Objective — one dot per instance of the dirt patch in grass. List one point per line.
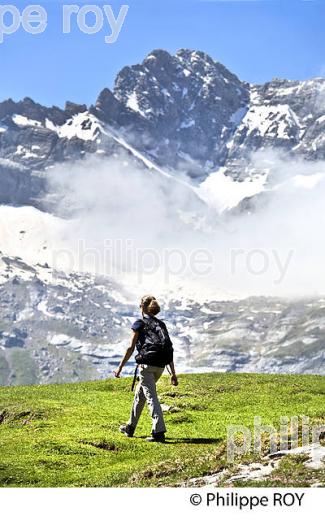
(21, 417)
(178, 419)
(198, 407)
(102, 445)
(54, 447)
(161, 470)
(177, 395)
(177, 469)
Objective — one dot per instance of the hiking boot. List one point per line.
(127, 429)
(156, 437)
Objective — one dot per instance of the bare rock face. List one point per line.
(18, 184)
(184, 103)
(59, 327)
(184, 112)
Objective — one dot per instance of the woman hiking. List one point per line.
(155, 352)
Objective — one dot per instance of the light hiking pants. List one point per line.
(146, 391)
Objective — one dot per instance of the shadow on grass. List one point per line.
(189, 440)
(193, 440)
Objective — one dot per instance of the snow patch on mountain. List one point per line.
(84, 126)
(30, 233)
(27, 153)
(133, 103)
(25, 121)
(223, 193)
(274, 121)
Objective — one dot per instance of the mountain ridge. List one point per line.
(195, 129)
(184, 112)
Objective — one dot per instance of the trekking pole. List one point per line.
(134, 378)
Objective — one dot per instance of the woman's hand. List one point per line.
(117, 373)
(127, 355)
(174, 380)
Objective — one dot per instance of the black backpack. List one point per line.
(156, 349)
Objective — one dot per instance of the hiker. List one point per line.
(155, 352)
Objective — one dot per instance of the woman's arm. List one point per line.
(173, 378)
(127, 354)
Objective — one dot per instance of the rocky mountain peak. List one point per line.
(184, 101)
(74, 108)
(183, 112)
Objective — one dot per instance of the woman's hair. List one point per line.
(149, 305)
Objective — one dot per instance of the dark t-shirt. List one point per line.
(138, 326)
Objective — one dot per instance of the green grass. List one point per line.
(67, 435)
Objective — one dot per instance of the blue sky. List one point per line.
(255, 39)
